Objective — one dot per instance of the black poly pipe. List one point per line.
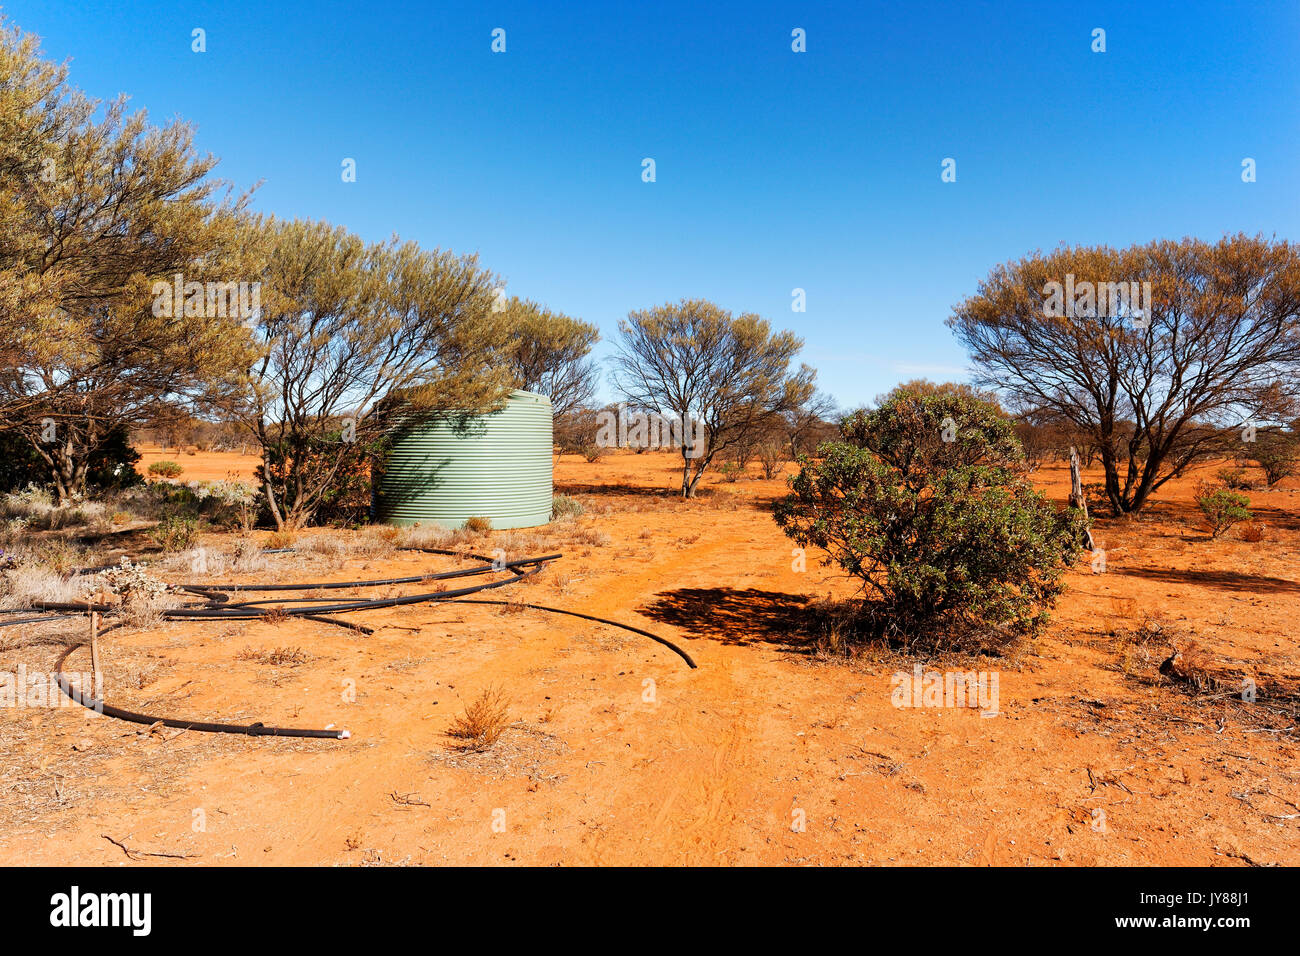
(383, 582)
(224, 611)
(252, 730)
(590, 617)
(217, 608)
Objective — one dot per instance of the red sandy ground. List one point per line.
(1084, 765)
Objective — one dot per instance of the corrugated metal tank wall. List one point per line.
(497, 466)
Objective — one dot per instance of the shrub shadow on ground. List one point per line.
(1226, 580)
(734, 615)
(615, 491)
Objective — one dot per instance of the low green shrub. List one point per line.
(1222, 508)
(176, 533)
(1233, 477)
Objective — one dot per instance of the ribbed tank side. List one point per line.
(496, 466)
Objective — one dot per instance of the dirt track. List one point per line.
(1084, 764)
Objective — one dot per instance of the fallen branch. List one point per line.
(133, 854)
(407, 799)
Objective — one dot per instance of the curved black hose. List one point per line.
(33, 620)
(218, 606)
(591, 617)
(382, 582)
(252, 730)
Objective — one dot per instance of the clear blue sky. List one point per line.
(776, 170)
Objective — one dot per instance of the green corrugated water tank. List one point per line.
(495, 466)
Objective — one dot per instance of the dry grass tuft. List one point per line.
(1253, 531)
(279, 657)
(26, 585)
(478, 525)
(281, 539)
(424, 536)
(484, 720)
(275, 616)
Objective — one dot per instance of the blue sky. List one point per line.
(775, 169)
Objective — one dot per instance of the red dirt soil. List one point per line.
(1092, 759)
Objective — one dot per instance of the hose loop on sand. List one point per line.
(218, 606)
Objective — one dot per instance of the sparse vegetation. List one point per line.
(484, 721)
(478, 524)
(1277, 452)
(142, 597)
(681, 358)
(278, 657)
(1233, 477)
(281, 539)
(176, 533)
(165, 469)
(1155, 393)
(1222, 508)
(772, 457)
(562, 506)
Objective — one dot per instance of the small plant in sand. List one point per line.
(279, 657)
(563, 505)
(484, 720)
(274, 616)
(165, 469)
(175, 533)
(1222, 508)
(131, 582)
(1253, 531)
(280, 539)
(478, 524)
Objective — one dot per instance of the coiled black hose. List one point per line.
(219, 607)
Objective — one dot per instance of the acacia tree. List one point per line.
(96, 205)
(1156, 392)
(695, 362)
(548, 352)
(923, 387)
(354, 338)
(38, 111)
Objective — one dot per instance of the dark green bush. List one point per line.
(112, 465)
(348, 472)
(925, 502)
(165, 469)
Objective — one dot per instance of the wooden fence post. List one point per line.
(1078, 499)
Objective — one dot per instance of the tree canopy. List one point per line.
(1159, 389)
(694, 361)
